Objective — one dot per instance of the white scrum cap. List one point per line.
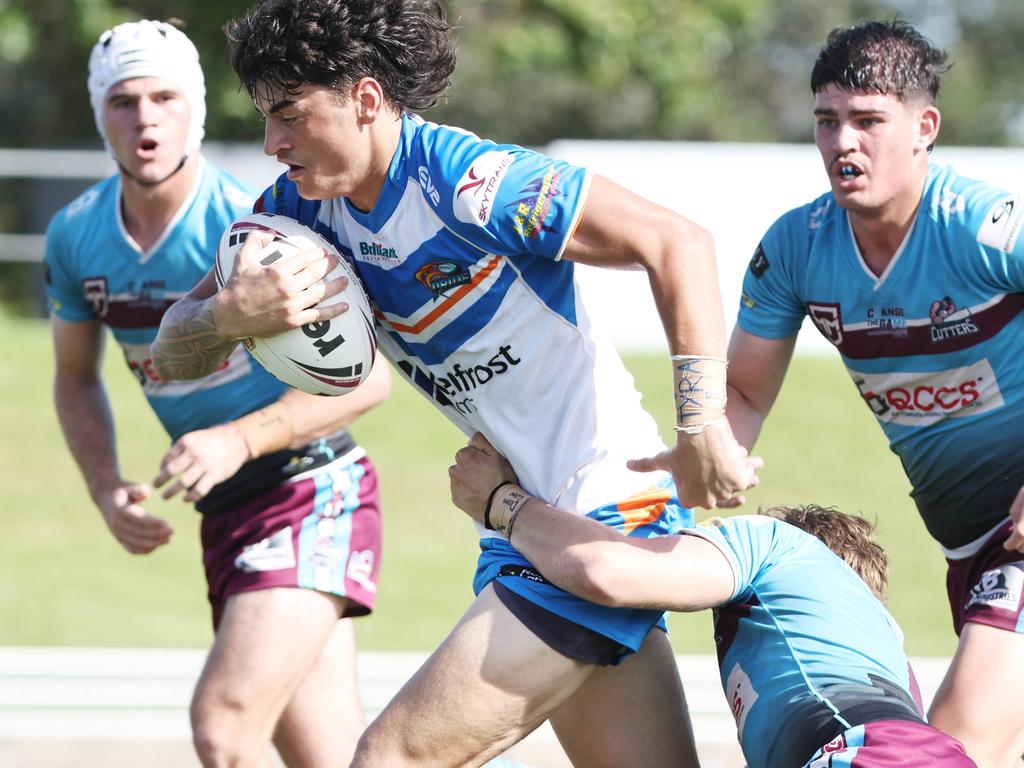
(148, 49)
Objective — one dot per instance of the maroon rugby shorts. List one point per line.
(321, 531)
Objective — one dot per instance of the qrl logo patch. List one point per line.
(999, 587)
(477, 189)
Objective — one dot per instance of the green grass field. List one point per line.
(65, 581)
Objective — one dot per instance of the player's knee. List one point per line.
(220, 733)
(375, 748)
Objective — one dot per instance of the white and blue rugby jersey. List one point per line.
(805, 649)
(95, 271)
(461, 259)
(932, 344)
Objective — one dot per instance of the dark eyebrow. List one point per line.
(279, 105)
(853, 112)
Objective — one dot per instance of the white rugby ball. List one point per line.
(329, 358)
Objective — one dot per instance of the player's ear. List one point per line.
(368, 99)
(928, 122)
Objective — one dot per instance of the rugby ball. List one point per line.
(329, 358)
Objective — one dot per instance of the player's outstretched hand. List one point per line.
(477, 470)
(710, 469)
(199, 460)
(267, 299)
(1016, 540)
(138, 531)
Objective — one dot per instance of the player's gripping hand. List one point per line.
(267, 299)
(1016, 540)
(138, 531)
(199, 460)
(477, 470)
(710, 468)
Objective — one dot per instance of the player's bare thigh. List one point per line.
(978, 702)
(324, 718)
(266, 644)
(489, 684)
(633, 714)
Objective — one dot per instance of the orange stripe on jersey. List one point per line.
(642, 509)
(448, 303)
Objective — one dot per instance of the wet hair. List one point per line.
(849, 536)
(279, 45)
(886, 57)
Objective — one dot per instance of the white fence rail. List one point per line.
(74, 707)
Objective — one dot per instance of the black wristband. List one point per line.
(490, 500)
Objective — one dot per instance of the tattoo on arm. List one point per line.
(188, 345)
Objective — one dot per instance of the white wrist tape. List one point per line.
(699, 389)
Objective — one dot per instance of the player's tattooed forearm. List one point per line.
(188, 345)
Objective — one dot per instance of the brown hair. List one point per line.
(849, 536)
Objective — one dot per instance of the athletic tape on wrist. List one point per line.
(699, 390)
(511, 501)
(490, 500)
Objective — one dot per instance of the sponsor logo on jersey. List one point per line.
(82, 202)
(838, 744)
(1002, 224)
(428, 185)
(442, 276)
(741, 696)
(748, 300)
(952, 202)
(451, 389)
(828, 319)
(889, 321)
(478, 188)
(533, 205)
(816, 216)
(917, 399)
(759, 263)
(947, 323)
(999, 588)
(95, 291)
(274, 553)
(375, 253)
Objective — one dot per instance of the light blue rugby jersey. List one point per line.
(96, 272)
(933, 344)
(461, 259)
(805, 649)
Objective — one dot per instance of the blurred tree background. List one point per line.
(535, 70)
(530, 71)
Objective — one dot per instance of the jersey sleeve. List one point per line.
(506, 199)
(64, 289)
(989, 230)
(746, 541)
(770, 303)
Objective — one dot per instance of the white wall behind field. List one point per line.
(736, 191)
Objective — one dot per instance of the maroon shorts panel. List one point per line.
(988, 587)
(892, 744)
(321, 532)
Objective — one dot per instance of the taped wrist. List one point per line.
(508, 503)
(699, 389)
(266, 430)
